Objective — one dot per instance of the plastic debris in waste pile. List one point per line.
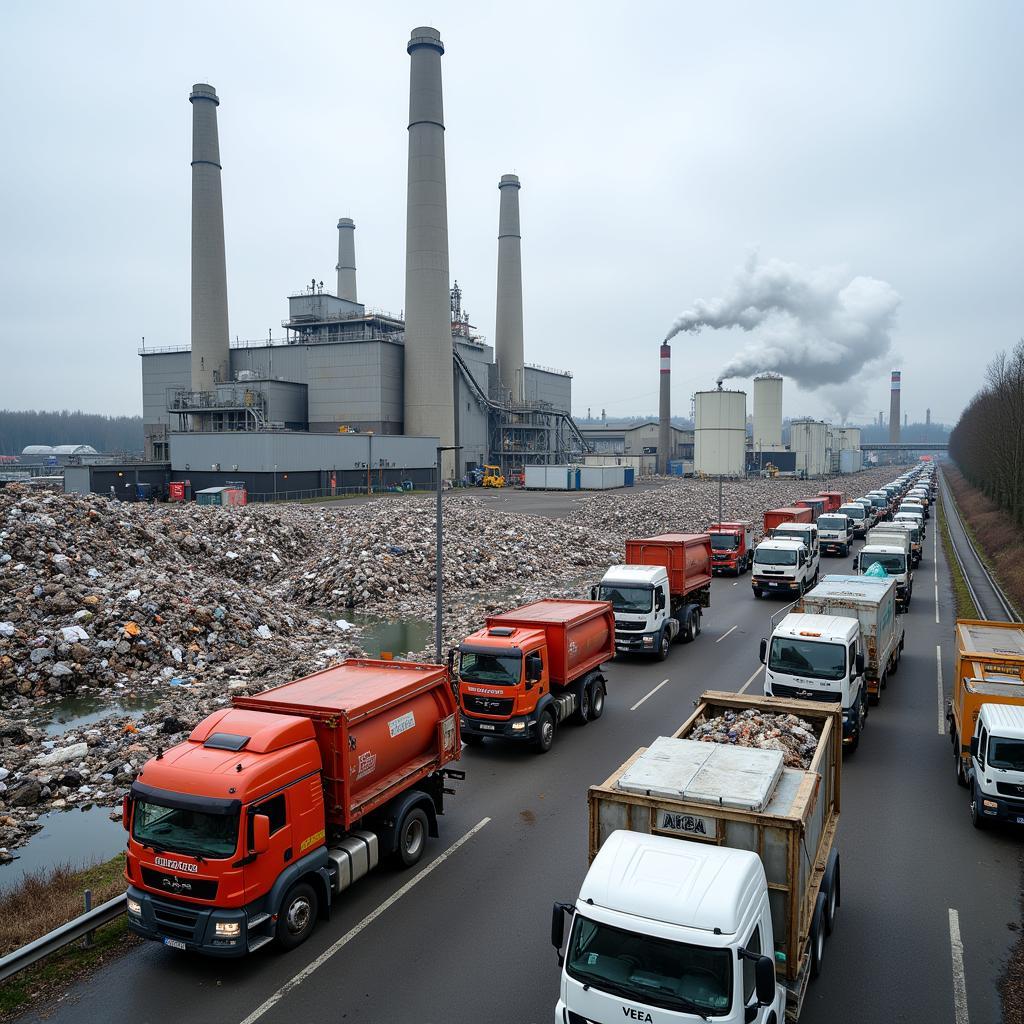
(763, 729)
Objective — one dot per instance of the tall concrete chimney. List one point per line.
(210, 352)
(894, 409)
(665, 411)
(346, 267)
(508, 328)
(429, 385)
(927, 417)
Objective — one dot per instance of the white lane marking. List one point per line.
(737, 583)
(743, 688)
(942, 694)
(935, 566)
(959, 979)
(651, 694)
(726, 633)
(353, 932)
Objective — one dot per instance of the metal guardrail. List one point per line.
(60, 937)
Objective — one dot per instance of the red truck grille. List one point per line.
(496, 706)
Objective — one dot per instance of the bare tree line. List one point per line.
(19, 428)
(988, 442)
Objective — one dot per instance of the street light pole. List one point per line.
(438, 579)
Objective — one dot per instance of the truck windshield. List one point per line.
(892, 564)
(724, 541)
(807, 658)
(185, 831)
(1006, 754)
(483, 667)
(653, 971)
(832, 522)
(775, 556)
(627, 599)
(853, 511)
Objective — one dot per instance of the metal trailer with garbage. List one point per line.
(716, 794)
(871, 600)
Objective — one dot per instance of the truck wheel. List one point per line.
(545, 732)
(757, 591)
(833, 891)
(874, 699)
(696, 624)
(961, 775)
(895, 666)
(977, 819)
(583, 709)
(845, 550)
(597, 696)
(663, 645)
(412, 838)
(471, 739)
(297, 916)
(818, 935)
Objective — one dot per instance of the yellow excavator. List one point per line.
(492, 477)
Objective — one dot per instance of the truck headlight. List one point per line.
(648, 641)
(228, 929)
(518, 726)
(134, 907)
(990, 803)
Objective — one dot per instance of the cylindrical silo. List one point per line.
(767, 413)
(809, 439)
(346, 267)
(720, 433)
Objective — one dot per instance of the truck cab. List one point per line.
(870, 508)
(996, 768)
(858, 517)
(640, 597)
(895, 559)
(908, 514)
(807, 534)
(835, 533)
(781, 567)
(880, 501)
(669, 930)
(732, 547)
(819, 657)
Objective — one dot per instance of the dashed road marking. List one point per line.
(959, 979)
(758, 671)
(651, 694)
(726, 633)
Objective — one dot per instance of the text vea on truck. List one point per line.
(714, 879)
(732, 547)
(660, 593)
(248, 830)
(986, 718)
(528, 670)
(872, 602)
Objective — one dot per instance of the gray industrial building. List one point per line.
(638, 439)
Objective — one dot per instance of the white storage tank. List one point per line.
(810, 438)
(767, 413)
(850, 460)
(720, 432)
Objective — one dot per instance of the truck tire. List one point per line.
(833, 891)
(545, 732)
(977, 818)
(583, 705)
(961, 775)
(597, 696)
(757, 591)
(296, 916)
(471, 739)
(895, 666)
(411, 839)
(696, 623)
(818, 935)
(664, 645)
(845, 550)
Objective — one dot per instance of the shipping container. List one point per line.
(816, 505)
(793, 514)
(833, 499)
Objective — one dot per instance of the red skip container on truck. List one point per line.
(793, 514)
(245, 832)
(816, 505)
(833, 499)
(531, 669)
(732, 547)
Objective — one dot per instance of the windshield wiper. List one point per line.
(664, 994)
(680, 1002)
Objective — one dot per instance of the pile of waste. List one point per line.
(765, 730)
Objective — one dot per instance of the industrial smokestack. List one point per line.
(894, 409)
(210, 351)
(927, 417)
(508, 328)
(665, 411)
(429, 386)
(346, 267)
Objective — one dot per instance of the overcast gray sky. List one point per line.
(658, 144)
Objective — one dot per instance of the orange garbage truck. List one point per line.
(526, 672)
(248, 830)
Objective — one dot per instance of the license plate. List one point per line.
(774, 584)
(483, 725)
(174, 943)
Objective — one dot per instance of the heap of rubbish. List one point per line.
(765, 730)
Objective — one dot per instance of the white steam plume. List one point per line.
(818, 327)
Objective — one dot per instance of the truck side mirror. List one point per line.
(451, 661)
(855, 562)
(764, 649)
(974, 746)
(764, 980)
(659, 599)
(859, 663)
(126, 812)
(260, 833)
(558, 912)
(593, 593)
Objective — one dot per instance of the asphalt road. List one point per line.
(467, 941)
